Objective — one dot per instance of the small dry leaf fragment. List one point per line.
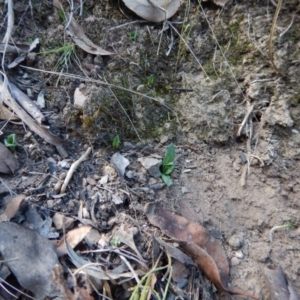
(197, 242)
(30, 106)
(218, 2)
(82, 41)
(8, 163)
(11, 208)
(32, 259)
(7, 98)
(125, 235)
(279, 286)
(120, 163)
(73, 237)
(153, 10)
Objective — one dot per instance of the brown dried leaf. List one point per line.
(125, 235)
(197, 241)
(279, 286)
(82, 41)
(30, 106)
(153, 10)
(73, 237)
(33, 261)
(11, 208)
(7, 114)
(8, 163)
(218, 2)
(7, 98)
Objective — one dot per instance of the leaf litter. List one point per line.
(197, 242)
(152, 279)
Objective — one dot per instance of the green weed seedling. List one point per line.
(150, 80)
(133, 35)
(168, 164)
(115, 242)
(10, 142)
(116, 142)
(287, 225)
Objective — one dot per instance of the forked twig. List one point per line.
(73, 168)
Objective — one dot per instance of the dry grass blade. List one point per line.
(271, 37)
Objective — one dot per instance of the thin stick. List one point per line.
(10, 25)
(245, 119)
(186, 44)
(126, 114)
(271, 37)
(73, 168)
(130, 268)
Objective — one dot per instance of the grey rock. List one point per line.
(236, 242)
(152, 165)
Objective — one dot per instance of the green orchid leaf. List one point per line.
(167, 179)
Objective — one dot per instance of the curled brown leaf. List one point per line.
(197, 242)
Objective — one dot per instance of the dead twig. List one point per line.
(271, 37)
(10, 25)
(73, 168)
(250, 109)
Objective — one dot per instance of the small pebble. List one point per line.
(185, 190)
(64, 164)
(236, 242)
(62, 176)
(235, 261)
(239, 254)
(50, 203)
(57, 186)
(91, 181)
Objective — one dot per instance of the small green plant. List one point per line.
(116, 142)
(61, 14)
(168, 164)
(115, 242)
(68, 51)
(133, 35)
(10, 142)
(287, 225)
(30, 40)
(150, 80)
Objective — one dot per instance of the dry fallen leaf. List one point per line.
(7, 98)
(8, 163)
(73, 237)
(278, 285)
(153, 10)
(217, 2)
(33, 261)
(125, 235)
(197, 242)
(82, 41)
(12, 207)
(30, 106)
